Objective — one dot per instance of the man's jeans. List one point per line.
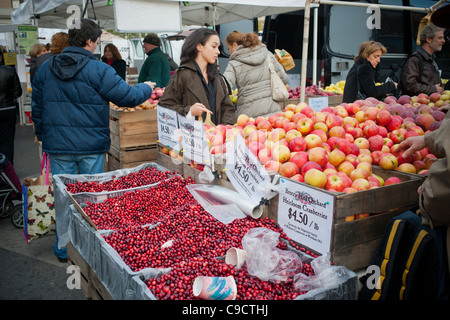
(74, 164)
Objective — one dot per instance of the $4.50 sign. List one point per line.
(306, 215)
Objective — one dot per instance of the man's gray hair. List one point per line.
(429, 32)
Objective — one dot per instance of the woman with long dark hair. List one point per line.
(112, 56)
(197, 87)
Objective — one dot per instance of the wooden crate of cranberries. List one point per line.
(360, 218)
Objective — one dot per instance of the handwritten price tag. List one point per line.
(168, 134)
(245, 172)
(306, 215)
(193, 140)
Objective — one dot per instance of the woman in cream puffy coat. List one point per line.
(249, 71)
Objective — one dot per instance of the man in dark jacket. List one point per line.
(70, 107)
(415, 81)
(10, 90)
(156, 67)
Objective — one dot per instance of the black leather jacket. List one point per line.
(10, 88)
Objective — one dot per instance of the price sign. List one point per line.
(193, 141)
(306, 215)
(168, 134)
(245, 172)
(318, 104)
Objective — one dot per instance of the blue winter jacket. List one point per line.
(70, 102)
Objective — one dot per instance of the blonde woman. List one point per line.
(36, 51)
(362, 77)
(248, 69)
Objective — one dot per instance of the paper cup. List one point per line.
(235, 257)
(215, 288)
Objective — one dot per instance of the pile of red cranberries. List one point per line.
(165, 227)
(143, 177)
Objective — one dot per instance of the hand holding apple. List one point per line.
(411, 145)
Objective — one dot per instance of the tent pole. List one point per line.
(316, 18)
(305, 50)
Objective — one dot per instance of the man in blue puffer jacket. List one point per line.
(70, 106)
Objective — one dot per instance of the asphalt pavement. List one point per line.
(30, 271)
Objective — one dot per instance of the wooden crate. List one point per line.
(167, 161)
(137, 129)
(91, 285)
(353, 243)
(130, 158)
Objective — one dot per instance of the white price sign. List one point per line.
(245, 172)
(318, 104)
(193, 140)
(306, 215)
(168, 128)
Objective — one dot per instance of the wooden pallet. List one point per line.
(132, 157)
(91, 285)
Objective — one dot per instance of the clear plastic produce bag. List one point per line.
(267, 262)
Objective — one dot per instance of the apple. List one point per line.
(280, 122)
(392, 180)
(371, 130)
(334, 182)
(255, 147)
(365, 158)
(264, 155)
(395, 123)
(290, 126)
(376, 155)
(277, 134)
(320, 126)
(258, 136)
(312, 140)
(318, 155)
(337, 131)
(300, 158)
(165, 150)
(373, 182)
(388, 161)
(242, 120)
(296, 118)
(297, 144)
(396, 136)
(289, 169)
(362, 143)
(305, 126)
(298, 177)
(310, 165)
(315, 178)
(247, 130)
(322, 134)
(425, 121)
(336, 156)
(358, 173)
(375, 143)
(407, 167)
(346, 167)
(273, 166)
(365, 166)
(291, 134)
(333, 120)
(361, 184)
(309, 112)
(280, 153)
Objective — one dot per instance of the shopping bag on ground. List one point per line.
(39, 204)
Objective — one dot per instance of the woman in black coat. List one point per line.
(111, 56)
(363, 75)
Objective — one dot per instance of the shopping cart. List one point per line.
(10, 193)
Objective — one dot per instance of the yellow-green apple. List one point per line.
(322, 134)
(297, 144)
(358, 173)
(291, 134)
(362, 143)
(407, 167)
(264, 155)
(288, 114)
(392, 180)
(318, 155)
(380, 179)
(272, 165)
(335, 183)
(290, 107)
(312, 140)
(388, 161)
(280, 153)
(346, 167)
(388, 142)
(305, 126)
(310, 165)
(300, 158)
(365, 151)
(396, 136)
(315, 178)
(375, 143)
(289, 169)
(242, 120)
(359, 115)
(336, 156)
(361, 184)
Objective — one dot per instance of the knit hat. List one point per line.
(152, 38)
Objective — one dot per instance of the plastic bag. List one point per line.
(325, 275)
(267, 262)
(206, 176)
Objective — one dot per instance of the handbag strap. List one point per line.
(272, 70)
(45, 162)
